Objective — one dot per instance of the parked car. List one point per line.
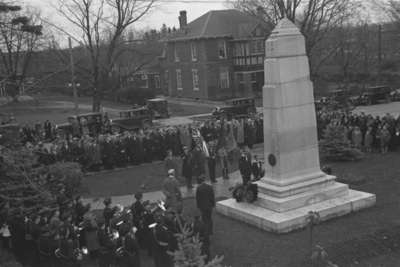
(395, 95)
(236, 107)
(133, 119)
(373, 95)
(339, 95)
(159, 107)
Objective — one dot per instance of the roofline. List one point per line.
(181, 39)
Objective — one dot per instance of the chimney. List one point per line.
(182, 19)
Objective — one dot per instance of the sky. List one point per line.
(166, 11)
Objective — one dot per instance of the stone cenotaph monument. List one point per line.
(293, 184)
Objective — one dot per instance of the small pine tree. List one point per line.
(335, 146)
(189, 252)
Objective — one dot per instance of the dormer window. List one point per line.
(222, 49)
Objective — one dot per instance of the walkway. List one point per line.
(221, 189)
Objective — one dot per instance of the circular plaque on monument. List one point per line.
(272, 160)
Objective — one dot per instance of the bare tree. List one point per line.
(316, 18)
(20, 36)
(102, 23)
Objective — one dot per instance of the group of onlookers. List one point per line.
(118, 149)
(365, 132)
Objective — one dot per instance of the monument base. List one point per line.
(282, 222)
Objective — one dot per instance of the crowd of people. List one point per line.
(63, 235)
(365, 132)
(108, 149)
(71, 233)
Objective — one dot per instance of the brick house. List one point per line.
(217, 56)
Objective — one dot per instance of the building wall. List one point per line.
(209, 65)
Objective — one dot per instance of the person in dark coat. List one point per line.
(161, 236)
(245, 167)
(212, 160)
(47, 130)
(107, 247)
(108, 212)
(46, 246)
(205, 200)
(187, 167)
(129, 250)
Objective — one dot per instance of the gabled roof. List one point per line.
(220, 23)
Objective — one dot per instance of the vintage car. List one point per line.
(395, 95)
(159, 107)
(236, 107)
(94, 122)
(133, 119)
(373, 95)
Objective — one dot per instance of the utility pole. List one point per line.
(73, 82)
(379, 48)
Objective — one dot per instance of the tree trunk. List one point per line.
(97, 94)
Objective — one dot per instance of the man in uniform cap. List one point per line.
(171, 190)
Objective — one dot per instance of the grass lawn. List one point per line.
(367, 238)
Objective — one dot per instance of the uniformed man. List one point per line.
(161, 237)
(128, 249)
(107, 243)
(171, 190)
(46, 247)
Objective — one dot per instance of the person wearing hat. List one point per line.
(171, 190)
(205, 200)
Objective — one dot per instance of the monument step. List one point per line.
(322, 193)
(297, 188)
(283, 222)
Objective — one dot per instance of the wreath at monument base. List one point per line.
(245, 192)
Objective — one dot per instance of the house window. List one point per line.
(224, 78)
(176, 55)
(257, 46)
(240, 77)
(195, 77)
(157, 81)
(179, 79)
(222, 49)
(193, 48)
(254, 85)
(145, 81)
